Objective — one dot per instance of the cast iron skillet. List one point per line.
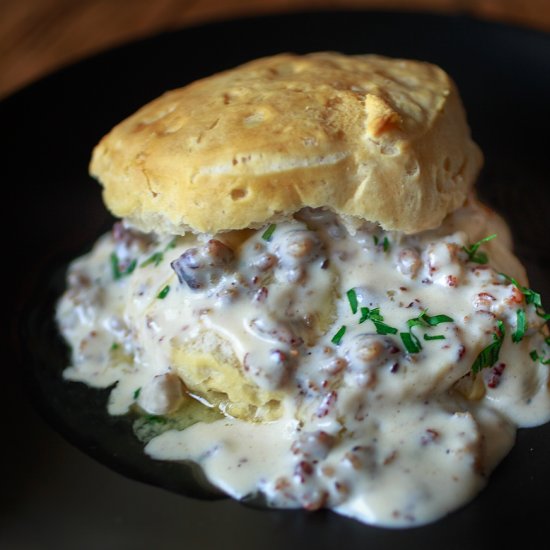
(49, 129)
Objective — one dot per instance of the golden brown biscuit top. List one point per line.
(369, 137)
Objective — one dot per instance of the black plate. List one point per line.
(48, 131)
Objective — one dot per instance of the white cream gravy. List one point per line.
(369, 429)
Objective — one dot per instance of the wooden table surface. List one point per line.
(39, 36)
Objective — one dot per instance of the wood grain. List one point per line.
(39, 36)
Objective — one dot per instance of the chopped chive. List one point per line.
(352, 298)
(382, 328)
(473, 255)
(171, 244)
(136, 393)
(115, 346)
(375, 239)
(410, 341)
(266, 236)
(426, 320)
(337, 338)
(164, 292)
(531, 296)
(436, 319)
(156, 258)
(367, 314)
(536, 357)
(115, 267)
(434, 337)
(155, 419)
(521, 325)
(511, 280)
(488, 356)
(377, 319)
(414, 323)
(385, 244)
(370, 314)
(130, 268)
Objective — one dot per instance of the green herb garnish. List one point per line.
(435, 320)
(266, 236)
(158, 256)
(115, 267)
(154, 419)
(164, 292)
(171, 244)
(377, 319)
(337, 338)
(536, 357)
(472, 251)
(434, 337)
(531, 296)
(385, 244)
(488, 356)
(352, 298)
(136, 393)
(521, 325)
(411, 342)
(115, 346)
(429, 320)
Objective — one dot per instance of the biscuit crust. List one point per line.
(369, 137)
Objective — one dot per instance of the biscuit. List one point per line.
(369, 137)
